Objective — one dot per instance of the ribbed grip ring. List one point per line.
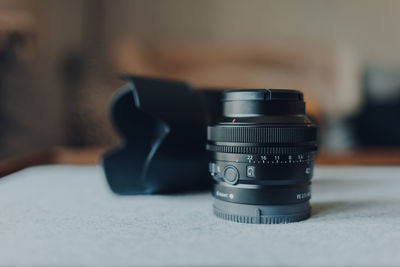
(260, 149)
(278, 219)
(261, 214)
(271, 135)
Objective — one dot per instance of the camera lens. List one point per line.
(262, 159)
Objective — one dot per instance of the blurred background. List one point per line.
(59, 60)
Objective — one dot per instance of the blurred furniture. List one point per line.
(31, 109)
(67, 216)
(56, 155)
(376, 124)
(328, 76)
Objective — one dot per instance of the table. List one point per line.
(66, 215)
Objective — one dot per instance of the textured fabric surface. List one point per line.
(66, 215)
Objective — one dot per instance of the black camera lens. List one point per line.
(262, 159)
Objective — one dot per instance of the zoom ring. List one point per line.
(260, 149)
(271, 135)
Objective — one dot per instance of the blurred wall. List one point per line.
(370, 26)
(68, 82)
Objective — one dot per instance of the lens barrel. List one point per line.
(262, 157)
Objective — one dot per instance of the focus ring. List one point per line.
(260, 149)
(275, 135)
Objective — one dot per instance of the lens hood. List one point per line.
(162, 125)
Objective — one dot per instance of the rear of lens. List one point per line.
(262, 157)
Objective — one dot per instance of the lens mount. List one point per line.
(261, 214)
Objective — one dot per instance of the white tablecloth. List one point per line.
(66, 215)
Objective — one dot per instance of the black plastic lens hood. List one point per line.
(162, 125)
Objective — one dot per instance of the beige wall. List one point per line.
(370, 26)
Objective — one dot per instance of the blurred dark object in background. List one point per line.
(378, 122)
(29, 109)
